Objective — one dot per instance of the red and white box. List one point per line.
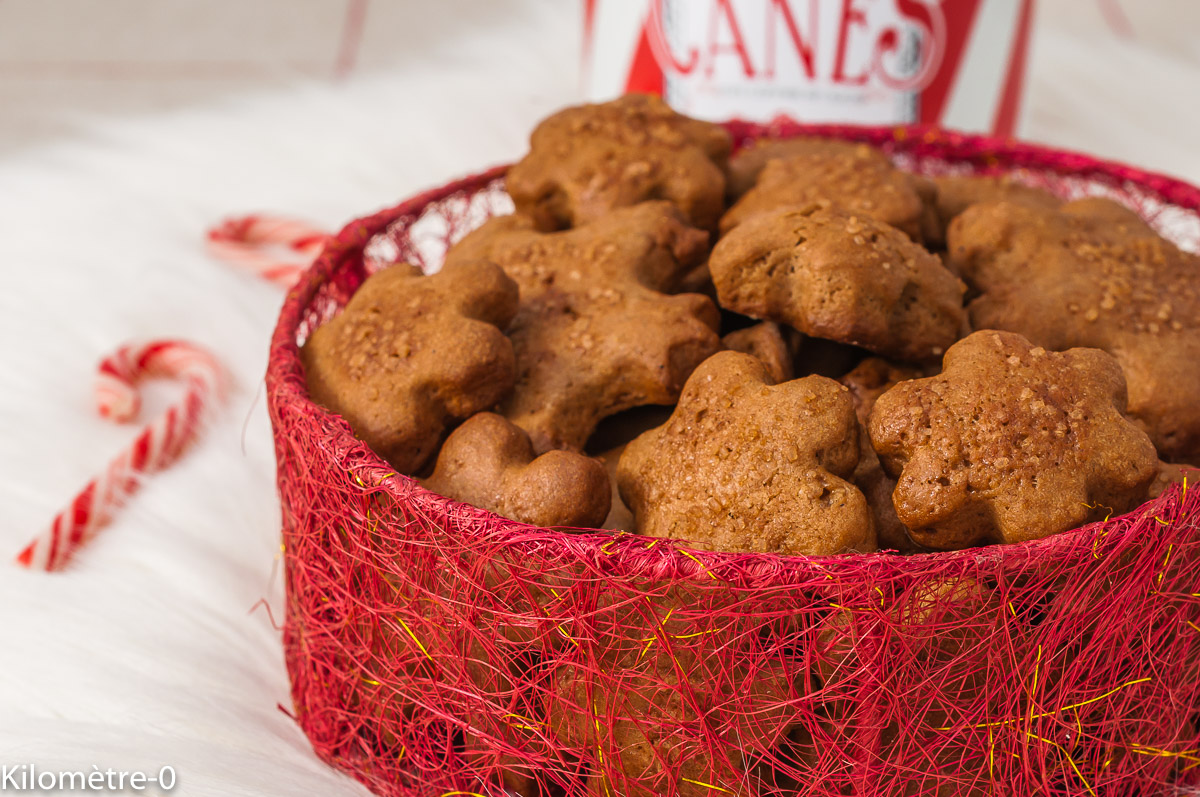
(954, 63)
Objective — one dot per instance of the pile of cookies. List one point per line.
(844, 356)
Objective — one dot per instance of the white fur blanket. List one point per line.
(149, 651)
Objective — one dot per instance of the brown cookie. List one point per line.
(743, 465)
(766, 342)
(653, 756)
(956, 193)
(596, 332)
(698, 280)
(867, 382)
(608, 442)
(1170, 473)
(392, 721)
(619, 517)
(832, 273)
(748, 162)
(1010, 443)
(587, 160)
(936, 617)
(1094, 274)
(410, 355)
(941, 621)
(1106, 211)
(826, 357)
(490, 463)
(863, 181)
(673, 689)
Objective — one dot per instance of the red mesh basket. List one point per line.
(437, 649)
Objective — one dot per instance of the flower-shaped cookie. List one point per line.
(766, 342)
(490, 463)
(588, 160)
(1170, 474)
(956, 193)
(747, 163)
(746, 465)
(1092, 273)
(410, 355)
(862, 180)
(832, 273)
(1010, 443)
(869, 380)
(597, 332)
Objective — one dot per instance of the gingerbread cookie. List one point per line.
(745, 465)
(766, 342)
(1170, 473)
(958, 192)
(587, 160)
(410, 355)
(489, 462)
(1108, 212)
(936, 618)
(863, 181)
(1094, 274)
(942, 622)
(1010, 443)
(833, 273)
(619, 517)
(867, 382)
(381, 645)
(596, 332)
(607, 444)
(748, 162)
(647, 730)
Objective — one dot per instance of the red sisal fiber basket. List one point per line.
(437, 649)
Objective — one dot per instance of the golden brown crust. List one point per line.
(831, 273)
(958, 192)
(411, 354)
(597, 332)
(1170, 473)
(746, 466)
(863, 181)
(869, 380)
(1094, 274)
(1010, 443)
(619, 517)
(766, 342)
(590, 159)
(490, 463)
(747, 163)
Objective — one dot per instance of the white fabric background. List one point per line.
(148, 651)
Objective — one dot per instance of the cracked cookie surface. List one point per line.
(747, 465)
(1011, 442)
(411, 355)
(861, 179)
(598, 329)
(832, 273)
(1092, 273)
(588, 160)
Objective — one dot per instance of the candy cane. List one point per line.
(254, 243)
(158, 445)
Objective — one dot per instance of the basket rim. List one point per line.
(631, 554)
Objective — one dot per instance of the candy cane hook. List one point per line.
(158, 444)
(255, 242)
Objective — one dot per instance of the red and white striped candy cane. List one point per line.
(158, 444)
(261, 243)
